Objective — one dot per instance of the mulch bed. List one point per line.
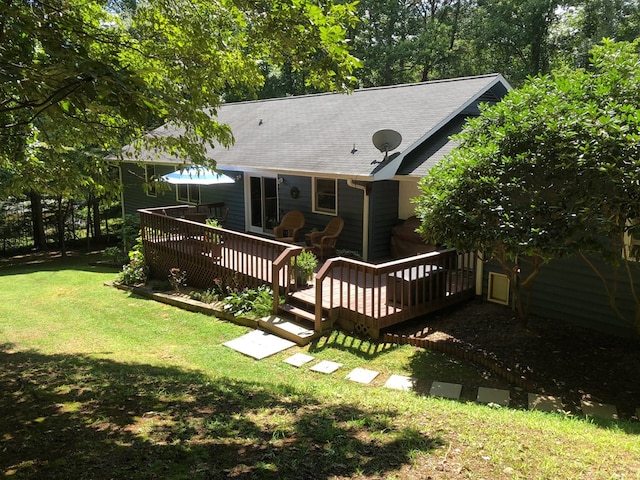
(556, 358)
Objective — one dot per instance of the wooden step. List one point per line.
(298, 312)
(288, 328)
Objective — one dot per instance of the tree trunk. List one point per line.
(95, 203)
(37, 222)
(61, 216)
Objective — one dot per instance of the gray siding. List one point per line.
(569, 290)
(383, 214)
(302, 203)
(350, 206)
(233, 197)
(136, 198)
(134, 195)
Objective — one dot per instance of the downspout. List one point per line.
(365, 216)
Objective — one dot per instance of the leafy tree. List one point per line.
(405, 40)
(583, 24)
(90, 75)
(512, 36)
(552, 170)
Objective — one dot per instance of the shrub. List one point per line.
(177, 279)
(221, 288)
(252, 302)
(208, 296)
(136, 271)
(116, 255)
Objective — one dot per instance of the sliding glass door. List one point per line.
(263, 204)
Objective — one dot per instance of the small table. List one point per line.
(416, 284)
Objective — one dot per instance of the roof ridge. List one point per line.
(367, 89)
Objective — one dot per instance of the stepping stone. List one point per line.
(493, 395)
(545, 403)
(362, 375)
(400, 382)
(326, 366)
(259, 344)
(299, 359)
(601, 410)
(446, 390)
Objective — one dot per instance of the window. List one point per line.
(325, 198)
(188, 193)
(149, 180)
(631, 250)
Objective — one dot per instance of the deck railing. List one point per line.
(210, 254)
(371, 296)
(377, 296)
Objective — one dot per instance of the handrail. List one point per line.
(372, 296)
(207, 252)
(283, 262)
(364, 296)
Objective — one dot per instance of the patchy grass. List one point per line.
(96, 383)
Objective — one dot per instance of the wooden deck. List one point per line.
(370, 297)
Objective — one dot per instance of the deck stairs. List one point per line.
(294, 321)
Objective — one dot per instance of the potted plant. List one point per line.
(213, 239)
(304, 265)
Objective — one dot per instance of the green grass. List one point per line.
(96, 383)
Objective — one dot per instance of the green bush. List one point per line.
(136, 271)
(177, 278)
(116, 255)
(210, 295)
(251, 302)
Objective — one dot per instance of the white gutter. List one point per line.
(365, 217)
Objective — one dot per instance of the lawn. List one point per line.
(96, 383)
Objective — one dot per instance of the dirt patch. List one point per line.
(556, 358)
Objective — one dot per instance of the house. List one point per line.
(358, 156)
(316, 154)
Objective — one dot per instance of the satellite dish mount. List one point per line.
(386, 140)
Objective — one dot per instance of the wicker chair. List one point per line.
(289, 227)
(324, 242)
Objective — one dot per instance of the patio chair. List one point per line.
(196, 217)
(324, 242)
(289, 227)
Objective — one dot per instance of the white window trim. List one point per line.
(189, 198)
(315, 207)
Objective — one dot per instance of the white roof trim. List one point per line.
(389, 171)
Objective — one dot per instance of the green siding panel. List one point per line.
(383, 215)
(569, 290)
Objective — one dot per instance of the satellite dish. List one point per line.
(386, 140)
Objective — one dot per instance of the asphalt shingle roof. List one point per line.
(316, 133)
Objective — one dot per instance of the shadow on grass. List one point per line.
(66, 416)
(51, 261)
(362, 348)
(427, 366)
